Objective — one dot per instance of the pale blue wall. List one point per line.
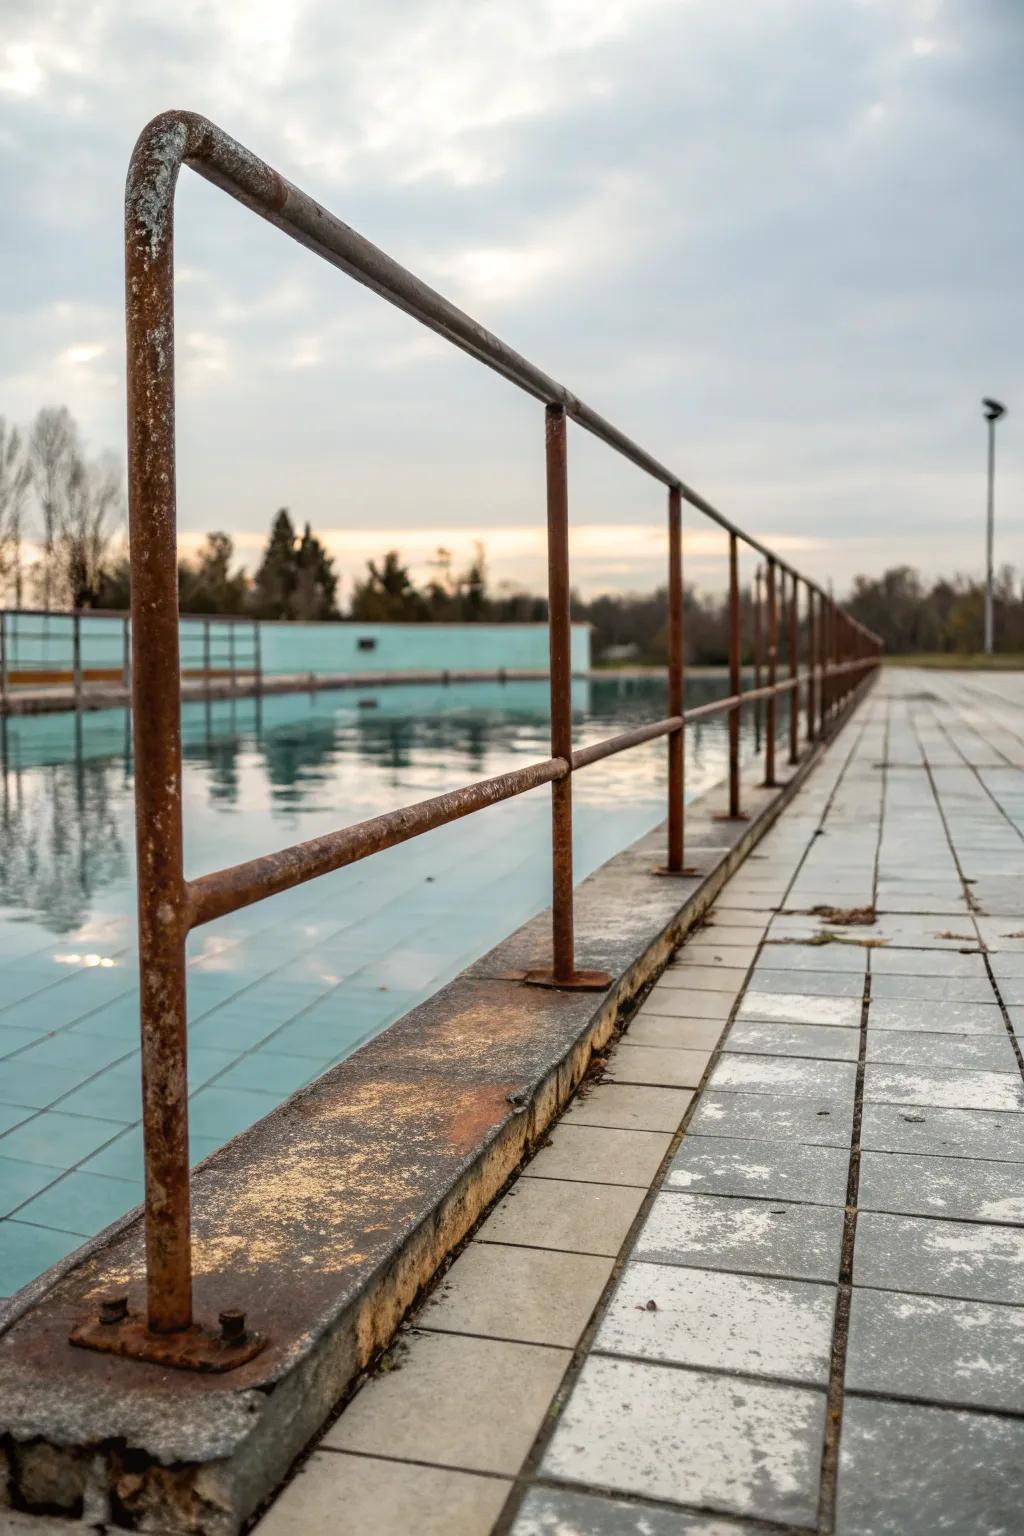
(44, 640)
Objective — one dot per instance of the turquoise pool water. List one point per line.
(283, 990)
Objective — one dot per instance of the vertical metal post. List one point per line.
(676, 767)
(231, 654)
(560, 640)
(257, 654)
(206, 655)
(770, 712)
(990, 536)
(3, 660)
(76, 657)
(823, 686)
(794, 667)
(757, 656)
(812, 662)
(126, 655)
(156, 710)
(735, 687)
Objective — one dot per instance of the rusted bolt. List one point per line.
(113, 1309)
(232, 1326)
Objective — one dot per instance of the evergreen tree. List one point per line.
(278, 575)
(316, 583)
(387, 594)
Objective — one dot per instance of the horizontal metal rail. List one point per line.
(837, 650)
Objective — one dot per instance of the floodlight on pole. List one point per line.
(993, 410)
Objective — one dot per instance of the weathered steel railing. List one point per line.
(43, 648)
(839, 652)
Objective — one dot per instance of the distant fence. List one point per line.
(87, 648)
(838, 653)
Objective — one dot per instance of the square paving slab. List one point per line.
(682, 1003)
(946, 1132)
(934, 1016)
(685, 1034)
(967, 1353)
(906, 1470)
(685, 1436)
(943, 1088)
(534, 1295)
(813, 957)
(733, 1322)
(769, 1170)
(808, 983)
(657, 1066)
(761, 1237)
(820, 1041)
(774, 1117)
(965, 1188)
(832, 1080)
(335, 1494)
(600, 1156)
(626, 1107)
(457, 1402)
(940, 989)
(556, 1213)
(798, 1008)
(939, 1258)
(914, 1048)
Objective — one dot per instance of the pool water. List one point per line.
(284, 989)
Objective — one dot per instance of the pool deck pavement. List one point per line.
(766, 1273)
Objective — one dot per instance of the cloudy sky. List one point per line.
(779, 242)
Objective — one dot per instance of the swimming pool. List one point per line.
(284, 989)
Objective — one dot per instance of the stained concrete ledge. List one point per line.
(325, 1220)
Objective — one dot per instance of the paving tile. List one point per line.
(722, 928)
(796, 1008)
(12, 1115)
(943, 989)
(336, 1494)
(26, 1250)
(111, 1095)
(56, 1139)
(82, 1202)
(573, 1216)
(942, 1132)
(907, 1470)
(773, 1117)
(686, 1034)
(768, 1170)
(681, 1003)
(20, 1181)
(475, 1404)
(534, 1295)
(703, 978)
(808, 983)
(629, 1107)
(705, 951)
(823, 1041)
(760, 1237)
(266, 1072)
(915, 1048)
(939, 1258)
(566, 1512)
(813, 957)
(949, 1089)
(657, 1066)
(25, 1085)
(967, 1353)
(927, 962)
(599, 1156)
(687, 1437)
(707, 1318)
(801, 1078)
(224, 1112)
(961, 1187)
(924, 1015)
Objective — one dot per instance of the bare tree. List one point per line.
(15, 479)
(54, 453)
(90, 513)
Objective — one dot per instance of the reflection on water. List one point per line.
(253, 769)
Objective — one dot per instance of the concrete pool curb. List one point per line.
(325, 1220)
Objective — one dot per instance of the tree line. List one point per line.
(70, 510)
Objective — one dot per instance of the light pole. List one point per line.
(993, 410)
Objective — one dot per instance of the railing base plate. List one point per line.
(728, 816)
(688, 872)
(580, 981)
(198, 1348)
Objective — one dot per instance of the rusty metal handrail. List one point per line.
(169, 905)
